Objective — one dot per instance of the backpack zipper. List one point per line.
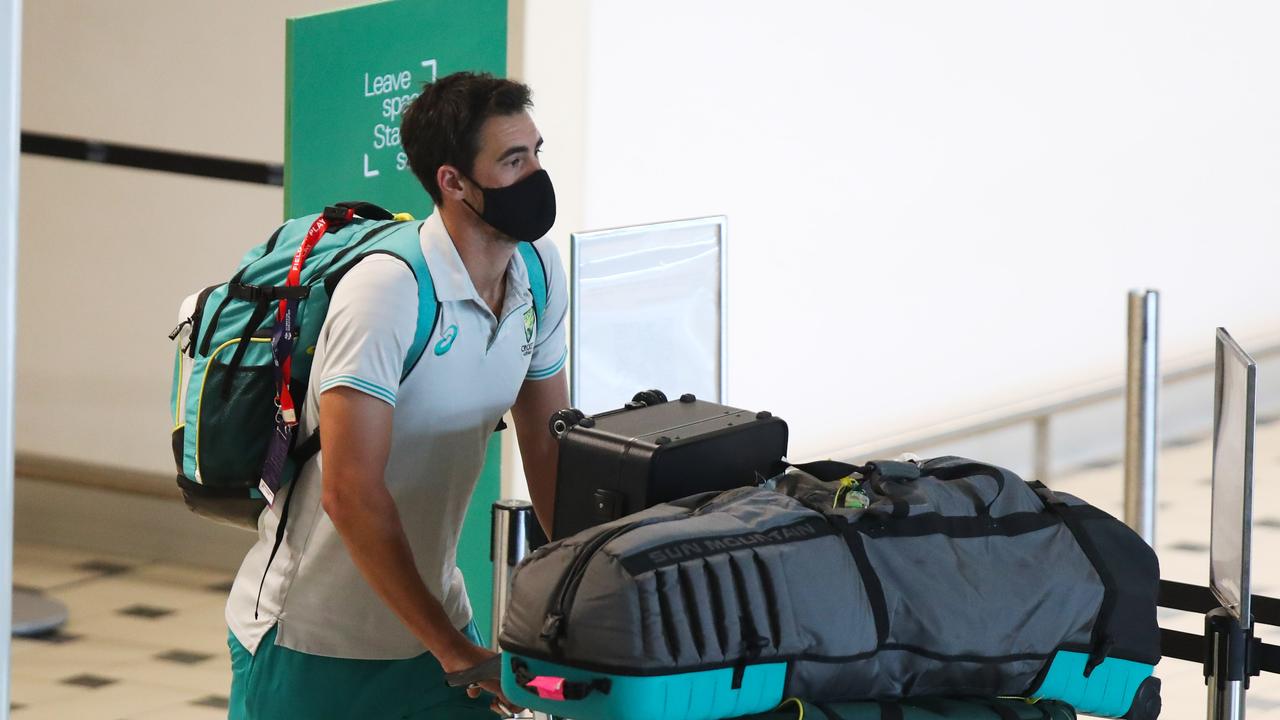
(197, 316)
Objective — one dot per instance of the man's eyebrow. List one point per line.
(516, 150)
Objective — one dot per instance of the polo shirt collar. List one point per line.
(449, 274)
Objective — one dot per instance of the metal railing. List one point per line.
(1038, 413)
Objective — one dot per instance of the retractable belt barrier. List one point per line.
(1259, 657)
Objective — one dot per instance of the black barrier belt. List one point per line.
(1192, 647)
(133, 156)
(1197, 599)
(1182, 646)
(1269, 658)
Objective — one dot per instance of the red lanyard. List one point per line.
(287, 311)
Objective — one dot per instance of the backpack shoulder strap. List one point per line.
(405, 243)
(536, 269)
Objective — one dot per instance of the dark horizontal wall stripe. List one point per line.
(133, 156)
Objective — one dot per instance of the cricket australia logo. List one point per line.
(530, 326)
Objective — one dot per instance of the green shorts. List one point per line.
(282, 684)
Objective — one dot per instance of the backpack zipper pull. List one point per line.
(178, 330)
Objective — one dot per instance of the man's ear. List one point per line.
(450, 181)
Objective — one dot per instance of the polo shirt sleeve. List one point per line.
(550, 351)
(369, 328)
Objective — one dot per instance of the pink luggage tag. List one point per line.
(548, 688)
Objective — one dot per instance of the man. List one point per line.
(363, 609)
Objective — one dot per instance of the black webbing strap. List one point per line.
(275, 547)
(1099, 643)
(824, 470)
(259, 314)
(305, 450)
(870, 580)
(964, 470)
(301, 453)
(365, 209)
(207, 341)
(267, 293)
(235, 280)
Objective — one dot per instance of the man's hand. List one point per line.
(468, 656)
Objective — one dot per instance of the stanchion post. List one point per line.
(507, 547)
(1041, 449)
(1141, 403)
(1231, 662)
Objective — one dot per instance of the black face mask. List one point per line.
(524, 211)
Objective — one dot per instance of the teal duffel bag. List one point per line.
(922, 709)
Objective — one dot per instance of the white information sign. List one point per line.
(648, 311)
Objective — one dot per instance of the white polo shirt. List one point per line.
(445, 412)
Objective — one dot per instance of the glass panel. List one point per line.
(647, 312)
(1232, 476)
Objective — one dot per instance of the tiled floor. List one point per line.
(147, 640)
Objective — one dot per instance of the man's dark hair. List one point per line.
(442, 126)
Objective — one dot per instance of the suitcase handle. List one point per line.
(556, 688)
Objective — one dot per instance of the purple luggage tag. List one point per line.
(278, 449)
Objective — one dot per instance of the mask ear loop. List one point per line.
(479, 187)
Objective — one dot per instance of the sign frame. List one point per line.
(581, 241)
(1228, 350)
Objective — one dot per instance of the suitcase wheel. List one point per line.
(1146, 702)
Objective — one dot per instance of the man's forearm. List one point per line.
(537, 401)
(369, 525)
(539, 459)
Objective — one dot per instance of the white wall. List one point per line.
(937, 208)
(547, 49)
(107, 253)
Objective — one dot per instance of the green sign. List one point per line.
(348, 77)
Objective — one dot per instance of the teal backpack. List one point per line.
(232, 446)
